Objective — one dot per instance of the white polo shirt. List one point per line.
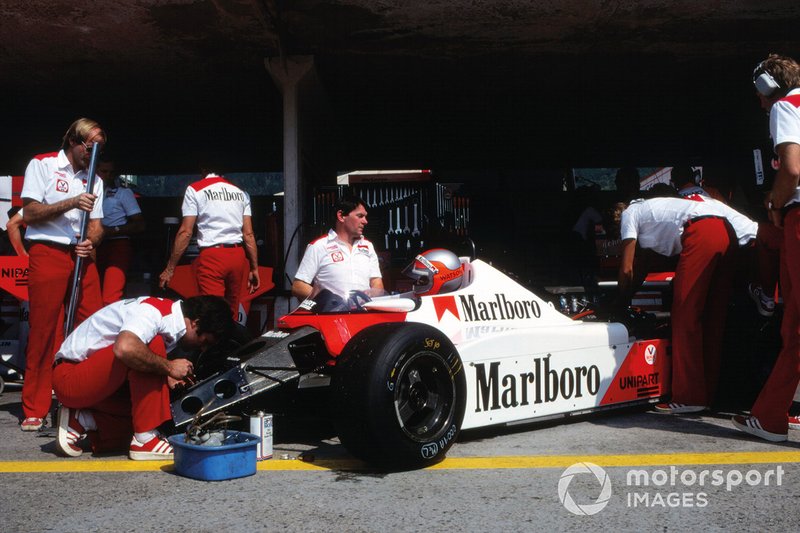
(50, 178)
(657, 224)
(119, 203)
(220, 208)
(328, 263)
(145, 317)
(784, 125)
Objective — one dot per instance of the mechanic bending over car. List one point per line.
(113, 377)
(343, 260)
(705, 232)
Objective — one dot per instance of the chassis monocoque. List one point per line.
(406, 374)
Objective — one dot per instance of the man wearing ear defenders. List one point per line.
(777, 83)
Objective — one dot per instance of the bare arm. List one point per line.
(251, 252)
(625, 275)
(14, 229)
(182, 239)
(301, 290)
(376, 283)
(36, 212)
(135, 354)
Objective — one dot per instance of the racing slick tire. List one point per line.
(398, 395)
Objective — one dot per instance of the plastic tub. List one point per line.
(216, 463)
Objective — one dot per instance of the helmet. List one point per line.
(435, 271)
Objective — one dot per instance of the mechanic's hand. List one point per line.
(180, 369)
(84, 201)
(84, 248)
(163, 279)
(173, 383)
(253, 281)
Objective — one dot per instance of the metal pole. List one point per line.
(76, 275)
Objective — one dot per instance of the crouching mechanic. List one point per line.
(112, 375)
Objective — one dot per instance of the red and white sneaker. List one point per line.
(70, 432)
(31, 424)
(794, 422)
(751, 425)
(679, 408)
(157, 448)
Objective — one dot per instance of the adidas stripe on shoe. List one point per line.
(157, 448)
(751, 425)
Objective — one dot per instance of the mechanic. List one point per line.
(705, 233)
(122, 218)
(343, 260)
(54, 200)
(225, 236)
(777, 83)
(112, 375)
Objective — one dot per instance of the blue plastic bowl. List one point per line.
(216, 463)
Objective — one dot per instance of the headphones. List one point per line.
(764, 82)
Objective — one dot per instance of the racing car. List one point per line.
(469, 347)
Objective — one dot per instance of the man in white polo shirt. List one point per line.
(343, 260)
(225, 237)
(705, 233)
(112, 375)
(55, 198)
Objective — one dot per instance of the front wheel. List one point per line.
(399, 394)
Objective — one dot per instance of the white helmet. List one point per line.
(435, 271)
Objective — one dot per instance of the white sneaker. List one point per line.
(158, 448)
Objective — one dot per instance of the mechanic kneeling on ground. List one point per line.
(112, 375)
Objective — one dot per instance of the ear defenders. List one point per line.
(764, 82)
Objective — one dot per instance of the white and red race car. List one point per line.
(407, 373)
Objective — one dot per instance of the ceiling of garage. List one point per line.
(439, 83)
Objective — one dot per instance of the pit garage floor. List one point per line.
(692, 472)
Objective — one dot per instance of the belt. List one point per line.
(225, 245)
(56, 245)
(698, 219)
(62, 360)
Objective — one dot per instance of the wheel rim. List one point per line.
(424, 396)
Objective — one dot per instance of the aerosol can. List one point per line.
(261, 427)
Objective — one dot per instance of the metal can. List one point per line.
(261, 427)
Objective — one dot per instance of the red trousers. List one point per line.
(772, 405)
(222, 272)
(121, 400)
(701, 292)
(49, 280)
(113, 259)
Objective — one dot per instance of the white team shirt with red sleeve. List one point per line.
(220, 208)
(329, 263)
(657, 224)
(784, 125)
(50, 178)
(145, 317)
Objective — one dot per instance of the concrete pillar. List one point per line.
(288, 73)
